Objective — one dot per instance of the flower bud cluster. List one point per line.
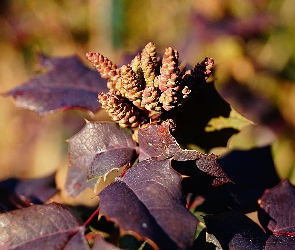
(142, 90)
(120, 111)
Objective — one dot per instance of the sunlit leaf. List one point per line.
(51, 226)
(67, 84)
(100, 147)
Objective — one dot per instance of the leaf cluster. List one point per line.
(164, 196)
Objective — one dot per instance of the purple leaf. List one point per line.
(156, 141)
(279, 204)
(155, 188)
(158, 186)
(51, 226)
(35, 190)
(100, 147)
(67, 84)
(247, 188)
(118, 202)
(275, 242)
(76, 181)
(77, 241)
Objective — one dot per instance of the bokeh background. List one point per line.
(251, 41)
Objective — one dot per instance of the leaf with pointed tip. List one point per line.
(76, 181)
(51, 226)
(156, 141)
(247, 188)
(67, 84)
(118, 202)
(100, 147)
(151, 189)
(77, 241)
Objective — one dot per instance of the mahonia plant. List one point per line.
(140, 92)
(164, 197)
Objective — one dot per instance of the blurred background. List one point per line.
(251, 41)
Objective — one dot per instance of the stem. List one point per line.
(125, 170)
(96, 212)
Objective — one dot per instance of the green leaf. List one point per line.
(235, 120)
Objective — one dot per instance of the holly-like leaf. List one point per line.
(119, 203)
(67, 84)
(77, 181)
(154, 187)
(247, 187)
(156, 141)
(100, 147)
(51, 226)
(245, 234)
(279, 204)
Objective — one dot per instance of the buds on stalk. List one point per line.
(141, 91)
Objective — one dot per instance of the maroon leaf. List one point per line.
(118, 202)
(67, 84)
(154, 190)
(76, 181)
(158, 186)
(77, 241)
(156, 141)
(279, 203)
(100, 147)
(51, 226)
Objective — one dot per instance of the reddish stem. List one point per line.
(125, 170)
(96, 212)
